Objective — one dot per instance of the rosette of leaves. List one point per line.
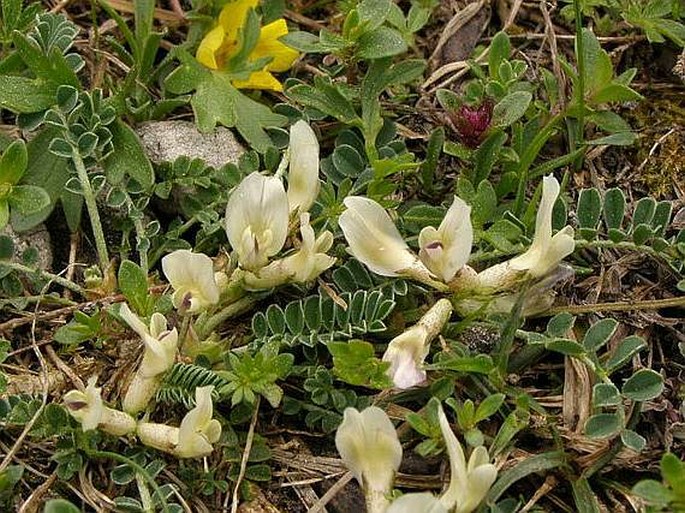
(22, 199)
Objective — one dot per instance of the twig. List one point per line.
(15, 266)
(246, 457)
(53, 314)
(619, 306)
(332, 492)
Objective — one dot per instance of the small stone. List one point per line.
(165, 141)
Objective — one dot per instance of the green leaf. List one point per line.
(486, 155)
(633, 440)
(128, 157)
(13, 162)
(355, 362)
(4, 212)
(589, 208)
(598, 68)
(24, 95)
(500, 48)
(673, 471)
(6, 248)
(605, 394)
(488, 407)
(303, 42)
(599, 334)
(481, 364)
(372, 13)
(584, 497)
(644, 385)
(653, 492)
(603, 425)
(9, 477)
(511, 108)
(325, 97)
(538, 463)
(566, 346)
(60, 506)
(628, 347)
(560, 324)
(28, 199)
(617, 139)
(379, 43)
(614, 208)
(133, 285)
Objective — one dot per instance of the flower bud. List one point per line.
(303, 173)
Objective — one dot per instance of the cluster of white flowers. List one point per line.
(193, 439)
(368, 445)
(374, 240)
(258, 216)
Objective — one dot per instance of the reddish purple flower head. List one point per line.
(471, 123)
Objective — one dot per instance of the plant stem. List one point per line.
(67, 284)
(240, 306)
(91, 205)
(138, 468)
(620, 306)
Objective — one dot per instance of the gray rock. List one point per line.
(37, 238)
(165, 141)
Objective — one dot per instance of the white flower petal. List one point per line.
(133, 321)
(546, 251)
(457, 489)
(303, 173)
(416, 503)
(192, 277)
(198, 429)
(373, 238)
(368, 445)
(86, 407)
(479, 483)
(406, 353)
(257, 219)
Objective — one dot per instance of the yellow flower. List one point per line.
(222, 41)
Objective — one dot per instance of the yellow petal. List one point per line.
(210, 45)
(269, 46)
(259, 80)
(232, 17)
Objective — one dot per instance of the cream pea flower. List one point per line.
(303, 172)
(196, 435)
(369, 447)
(545, 253)
(257, 220)
(159, 356)
(407, 352)
(88, 408)
(376, 242)
(446, 250)
(303, 266)
(193, 279)
(469, 483)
